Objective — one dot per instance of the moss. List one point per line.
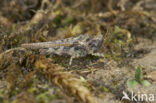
(118, 43)
(62, 19)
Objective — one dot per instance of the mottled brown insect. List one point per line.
(75, 47)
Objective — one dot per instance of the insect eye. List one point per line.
(93, 43)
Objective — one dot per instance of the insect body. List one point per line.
(75, 47)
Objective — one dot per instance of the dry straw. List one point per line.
(65, 80)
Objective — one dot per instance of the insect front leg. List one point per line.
(73, 57)
(71, 60)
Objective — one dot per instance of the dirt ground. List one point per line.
(129, 31)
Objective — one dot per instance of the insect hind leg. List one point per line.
(98, 54)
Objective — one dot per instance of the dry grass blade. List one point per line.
(10, 50)
(65, 80)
